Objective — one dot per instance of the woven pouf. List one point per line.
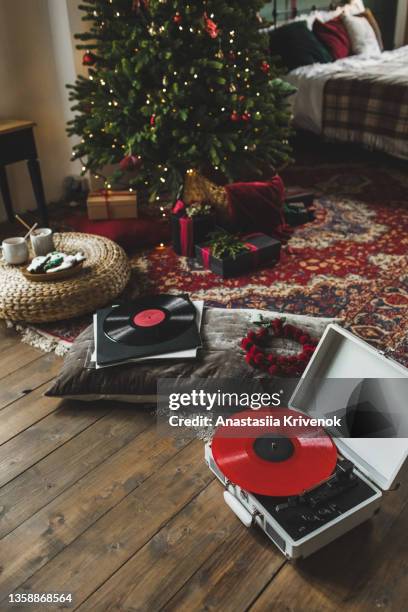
(104, 275)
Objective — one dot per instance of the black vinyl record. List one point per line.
(150, 320)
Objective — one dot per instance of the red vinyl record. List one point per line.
(274, 460)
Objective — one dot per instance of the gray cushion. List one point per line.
(221, 357)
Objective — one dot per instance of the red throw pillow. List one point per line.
(131, 234)
(334, 35)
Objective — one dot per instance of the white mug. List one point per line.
(42, 241)
(15, 250)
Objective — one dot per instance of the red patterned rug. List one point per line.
(351, 262)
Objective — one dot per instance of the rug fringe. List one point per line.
(39, 341)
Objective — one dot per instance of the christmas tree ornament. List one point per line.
(265, 67)
(210, 27)
(177, 18)
(234, 116)
(153, 120)
(130, 162)
(246, 116)
(88, 59)
(138, 4)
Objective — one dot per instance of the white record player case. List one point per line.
(377, 461)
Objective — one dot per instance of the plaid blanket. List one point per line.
(367, 111)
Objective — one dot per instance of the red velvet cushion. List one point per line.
(334, 35)
(131, 234)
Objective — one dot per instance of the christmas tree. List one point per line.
(174, 85)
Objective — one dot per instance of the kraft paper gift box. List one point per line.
(112, 205)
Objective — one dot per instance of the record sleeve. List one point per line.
(184, 355)
(149, 326)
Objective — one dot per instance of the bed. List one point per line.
(357, 99)
(361, 98)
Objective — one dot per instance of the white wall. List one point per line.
(401, 25)
(36, 60)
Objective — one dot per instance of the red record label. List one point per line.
(149, 317)
(279, 461)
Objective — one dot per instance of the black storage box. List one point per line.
(300, 217)
(263, 250)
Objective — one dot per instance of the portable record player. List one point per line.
(305, 498)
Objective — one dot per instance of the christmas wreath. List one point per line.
(255, 344)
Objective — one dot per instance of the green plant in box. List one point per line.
(224, 245)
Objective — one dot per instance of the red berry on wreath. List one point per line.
(88, 59)
(276, 325)
(287, 331)
(246, 343)
(258, 359)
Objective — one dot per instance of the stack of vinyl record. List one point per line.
(149, 328)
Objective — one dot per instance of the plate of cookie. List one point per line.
(54, 266)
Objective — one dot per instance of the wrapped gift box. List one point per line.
(295, 194)
(186, 232)
(296, 213)
(262, 250)
(106, 204)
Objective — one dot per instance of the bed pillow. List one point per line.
(334, 35)
(367, 14)
(297, 46)
(362, 36)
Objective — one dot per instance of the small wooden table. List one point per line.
(17, 144)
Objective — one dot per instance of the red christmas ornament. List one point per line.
(153, 120)
(265, 67)
(177, 18)
(88, 59)
(234, 116)
(137, 4)
(130, 162)
(210, 27)
(246, 116)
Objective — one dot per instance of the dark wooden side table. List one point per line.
(17, 144)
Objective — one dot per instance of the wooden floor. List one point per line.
(93, 502)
